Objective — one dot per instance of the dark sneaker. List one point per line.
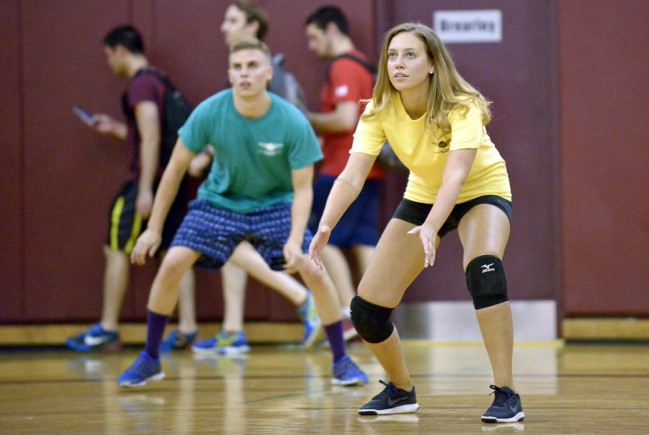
(391, 400)
(178, 341)
(312, 324)
(95, 338)
(506, 407)
(142, 370)
(347, 373)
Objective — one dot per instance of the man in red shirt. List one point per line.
(350, 79)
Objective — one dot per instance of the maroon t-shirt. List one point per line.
(143, 87)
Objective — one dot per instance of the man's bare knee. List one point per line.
(312, 274)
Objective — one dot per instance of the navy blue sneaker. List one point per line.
(506, 408)
(392, 400)
(178, 341)
(347, 373)
(142, 370)
(94, 339)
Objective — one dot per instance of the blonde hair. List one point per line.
(446, 87)
(251, 44)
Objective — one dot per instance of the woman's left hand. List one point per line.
(428, 238)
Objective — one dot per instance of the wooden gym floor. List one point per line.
(281, 389)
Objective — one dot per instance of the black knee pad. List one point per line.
(485, 278)
(372, 322)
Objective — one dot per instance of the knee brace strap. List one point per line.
(372, 322)
(485, 278)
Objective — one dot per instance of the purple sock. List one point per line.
(336, 340)
(155, 329)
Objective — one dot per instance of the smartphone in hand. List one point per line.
(84, 116)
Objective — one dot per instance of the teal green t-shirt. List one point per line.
(253, 158)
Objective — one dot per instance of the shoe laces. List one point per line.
(501, 396)
(96, 330)
(389, 391)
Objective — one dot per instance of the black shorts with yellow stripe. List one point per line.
(126, 224)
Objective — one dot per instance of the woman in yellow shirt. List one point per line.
(435, 122)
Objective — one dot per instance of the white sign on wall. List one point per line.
(469, 26)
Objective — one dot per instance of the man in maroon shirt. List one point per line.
(143, 107)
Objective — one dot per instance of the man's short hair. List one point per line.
(254, 13)
(250, 44)
(326, 15)
(127, 36)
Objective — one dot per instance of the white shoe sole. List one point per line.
(158, 377)
(403, 409)
(518, 417)
(221, 351)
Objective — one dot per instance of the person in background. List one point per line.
(245, 20)
(143, 107)
(270, 146)
(350, 79)
(435, 122)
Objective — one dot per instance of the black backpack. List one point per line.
(177, 110)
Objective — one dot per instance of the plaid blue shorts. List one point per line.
(215, 232)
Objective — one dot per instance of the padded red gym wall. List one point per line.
(58, 177)
(12, 254)
(604, 63)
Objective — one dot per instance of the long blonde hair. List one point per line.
(446, 87)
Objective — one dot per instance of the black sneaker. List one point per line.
(392, 400)
(506, 407)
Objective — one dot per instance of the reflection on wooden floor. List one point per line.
(282, 389)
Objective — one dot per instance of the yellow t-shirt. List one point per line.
(424, 151)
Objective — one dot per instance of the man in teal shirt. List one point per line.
(259, 189)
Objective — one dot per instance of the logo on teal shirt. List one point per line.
(270, 149)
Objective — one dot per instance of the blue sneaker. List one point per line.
(312, 324)
(506, 407)
(143, 369)
(223, 344)
(95, 338)
(347, 373)
(178, 341)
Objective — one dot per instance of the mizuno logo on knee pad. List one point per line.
(488, 268)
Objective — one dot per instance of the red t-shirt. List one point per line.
(143, 87)
(348, 80)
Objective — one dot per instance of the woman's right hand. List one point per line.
(320, 240)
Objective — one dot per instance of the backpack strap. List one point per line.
(371, 68)
(157, 74)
